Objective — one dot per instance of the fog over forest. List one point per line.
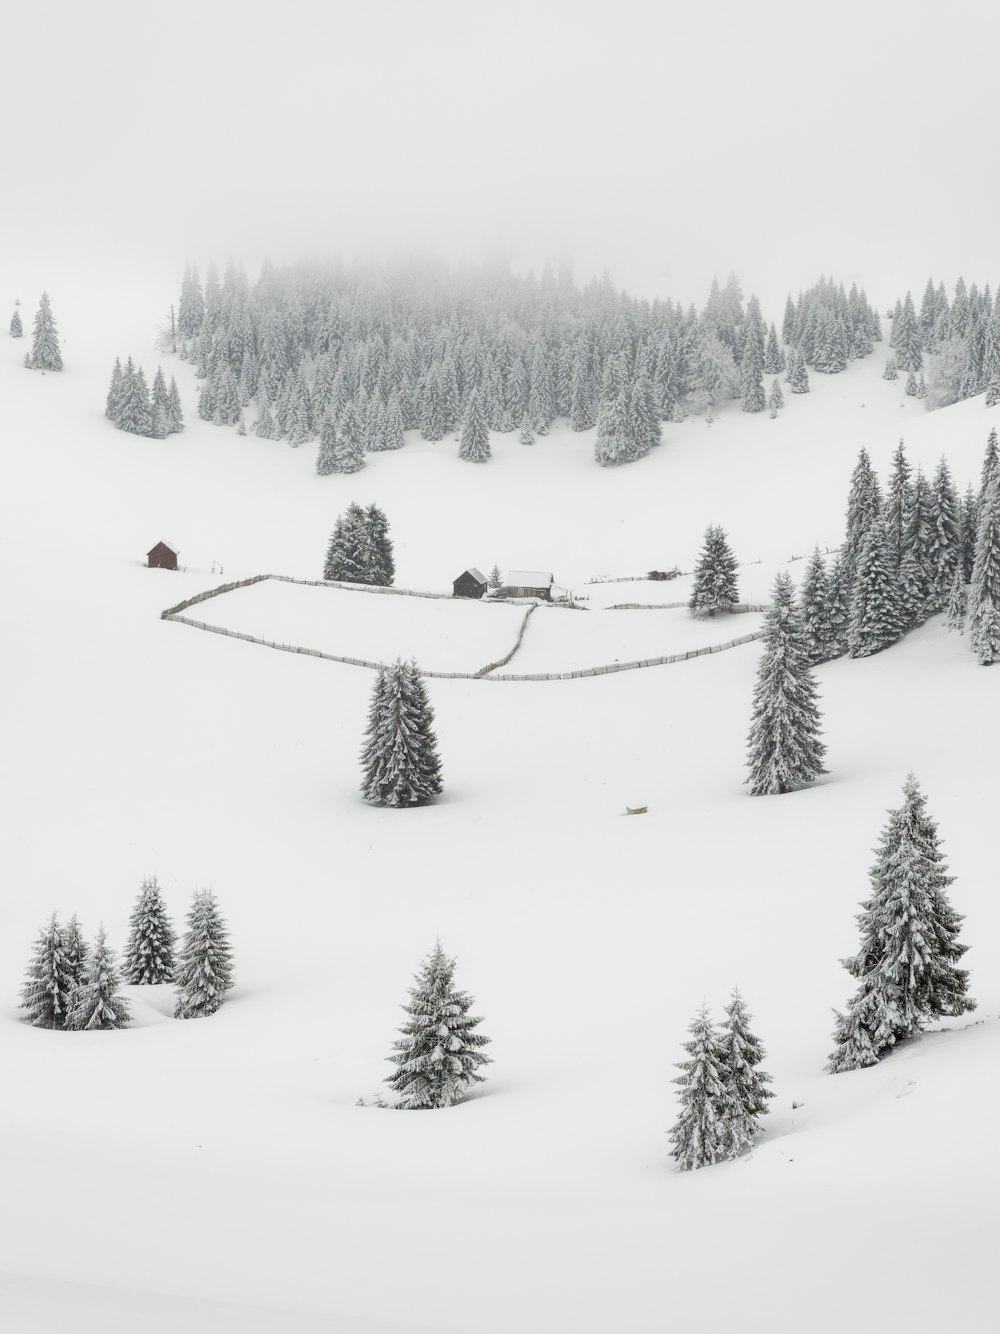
(660, 143)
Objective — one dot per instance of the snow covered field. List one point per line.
(454, 635)
(558, 640)
(223, 1163)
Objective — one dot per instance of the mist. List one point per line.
(660, 146)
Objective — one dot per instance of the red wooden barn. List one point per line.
(163, 557)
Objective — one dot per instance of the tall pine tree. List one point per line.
(399, 759)
(785, 749)
(907, 964)
(204, 970)
(148, 957)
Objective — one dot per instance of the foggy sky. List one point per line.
(664, 143)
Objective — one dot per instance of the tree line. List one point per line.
(356, 357)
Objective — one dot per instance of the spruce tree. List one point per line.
(970, 528)
(784, 745)
(701, 1133)
(376, 548)
(907, 964)
(175, 413)
(775, 399)
(475, 443)
(864, 507)
(16, 327)
(838, 607)
(75, 952)
(135, 411)
(326, 456)
(910, 388)
(798, 373)
(945, 551)
(399, 759)
(438, 1054)
(148, 957)
(876, 619)
(204, 971)
(957, 603)
(46, 989)
(747, 1086)
(774, 361)
(898, 504)
(95, 1003)
(814, 603)
(527, 436)
(984, 594)
(45, 353)
(715, 588)
(265, 427)
(991, 464)
(495, 579)
(890, 370)
(343, 555)
(114, 391)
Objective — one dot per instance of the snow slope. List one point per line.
(223, 1164)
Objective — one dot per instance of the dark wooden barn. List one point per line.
(162, 557)
(470, 584)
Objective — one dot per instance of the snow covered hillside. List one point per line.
(196, 1170)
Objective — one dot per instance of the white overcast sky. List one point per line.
(662, 142)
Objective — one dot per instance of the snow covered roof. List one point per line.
(528, 579)
(476, 574)
(169, 545)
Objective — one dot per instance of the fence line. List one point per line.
(502, 662)
(737, 609)
(369, 663)
(357, 588)
(212, 593)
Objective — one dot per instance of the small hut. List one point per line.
(529, 584)
(162, 557)
(471, 583)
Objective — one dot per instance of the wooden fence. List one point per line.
(502, 662)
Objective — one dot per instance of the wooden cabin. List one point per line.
(529, 584)
(162, 557)
(471, 583)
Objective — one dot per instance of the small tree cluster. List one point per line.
(724, 1093)
(907, 963)
(69, 986)
(360, 549)
(131, 406)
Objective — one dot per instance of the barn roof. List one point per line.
(476, 574)
(529, 578)
(169, 545)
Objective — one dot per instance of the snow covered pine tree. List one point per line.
(45, 353)
(784, 745)
(907, 966)
(46, 990)
(95, 1003)
(700, 1135)
(204, 971)
(148, 958)
(399, 759)
(715, 586)
(747, 1086)
(439, 1054)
